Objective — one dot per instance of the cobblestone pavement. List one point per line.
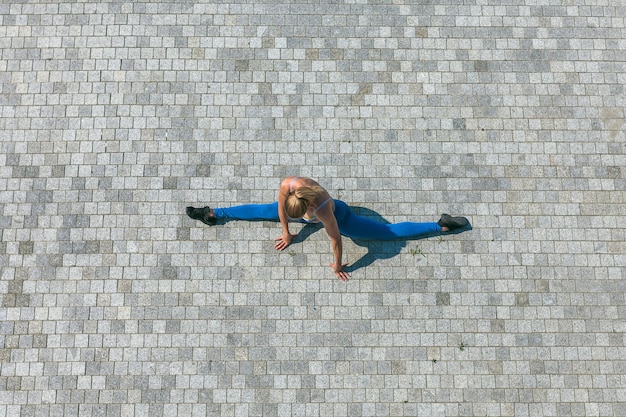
(114, 116)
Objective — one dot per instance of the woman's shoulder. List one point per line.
(300, 181)
(294, 182)
(289, 184)
(307, 182)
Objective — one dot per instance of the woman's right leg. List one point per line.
(268, 212)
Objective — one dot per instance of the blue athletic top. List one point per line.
(314, 218)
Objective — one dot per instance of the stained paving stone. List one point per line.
(115, 116)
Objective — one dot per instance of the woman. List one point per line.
(303, 200)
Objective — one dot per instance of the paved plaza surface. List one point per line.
(114, 116)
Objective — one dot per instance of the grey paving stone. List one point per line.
(115, 116)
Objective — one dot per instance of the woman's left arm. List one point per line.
(327, 217)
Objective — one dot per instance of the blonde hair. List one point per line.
(298, 202)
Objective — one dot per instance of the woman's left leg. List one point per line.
(359, 227)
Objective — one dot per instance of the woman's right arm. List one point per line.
(283, 241)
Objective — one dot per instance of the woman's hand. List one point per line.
(283, 241)
(341, 274)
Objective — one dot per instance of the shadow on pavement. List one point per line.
(376, 249)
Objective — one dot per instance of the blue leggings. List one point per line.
(350, 224)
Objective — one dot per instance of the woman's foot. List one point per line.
(205, 215)
(449, 223)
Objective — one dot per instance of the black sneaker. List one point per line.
(453, 223)
(202, 214)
